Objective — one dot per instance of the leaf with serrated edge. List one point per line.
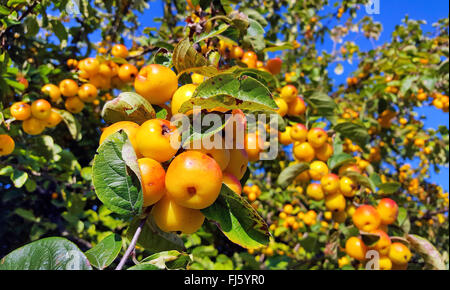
(238, 220)
(185, 57)
(431, 256)
(340, 159)
(354, 132)
(116, 175)
(360, 179)
(228, 91)
(168, 260)
(288, 174)
(72, 124)
(105, 252)
(52, 253)
(216, 31)
(128, 106)
(388, 187)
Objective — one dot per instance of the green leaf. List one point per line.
(369, 239)
(86, 173)
(72, 124)
(173, 260)
(288, 174)
(16, 2)
(26, 214)
(388, 187)
(238, 220)
(154, 239)
(271, 47)
(44, 145)
(4, 10)
(354, 132)
(339, 159)
(204, 133)
(402, 215)
(429, 83)
(228, 91)
(321, 103)
(406, 84)
(105, 252)
(403, 219)
(31, 25)
(253, 14)
(144, 267)
(265, 77)
(185, 58)
(53, 253)
(255, 35)
(14, 84)
(116, 175)
(310, 243)
(128, 106)
(19, 178)
(216, 31)
(361, 179)
(430, 254)
(348, 231)
(376, 179)
(7, 170)
(60, 30)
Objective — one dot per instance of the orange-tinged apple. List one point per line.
(253, 144)
(299, 132)
(20, 111)
(304, 152)
(193, 180)
(330, 183)
(153, 180)
(317, 137)
(274, 65)
(314, 191)
(383, 244)
(238, 163)
(366, 218)
(171, 217)
(158, 139)
(232, 182)
(388, 210)
(156, 83)
(289, 93)
(355, 248)
(297, 107)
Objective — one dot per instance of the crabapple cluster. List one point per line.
(169, 171)
(35, 117)
(94, 74)
(368, 219)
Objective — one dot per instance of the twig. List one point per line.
(132, 244)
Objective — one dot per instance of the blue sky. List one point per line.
(391, 14)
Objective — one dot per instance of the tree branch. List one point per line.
(133, 242)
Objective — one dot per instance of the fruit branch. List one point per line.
(21, 17)
(133, 242)
(430, 214)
